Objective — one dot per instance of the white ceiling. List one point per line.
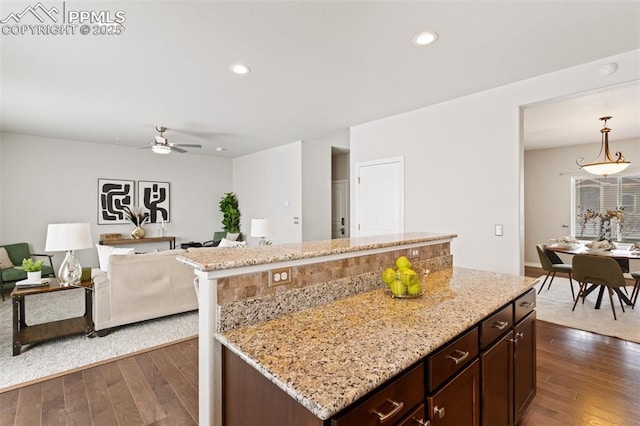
(317, 67)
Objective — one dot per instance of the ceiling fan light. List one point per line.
(161, 149)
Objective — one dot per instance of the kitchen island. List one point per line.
(344, 344)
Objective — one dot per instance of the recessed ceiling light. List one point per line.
(220, 149)
(424, 38)
(240, 69)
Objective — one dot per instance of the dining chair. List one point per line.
(552, 264)
(598, 270)
(636, 289)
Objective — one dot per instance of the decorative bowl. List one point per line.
(408, 283)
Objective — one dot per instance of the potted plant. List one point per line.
(230, 213)
(33, 269)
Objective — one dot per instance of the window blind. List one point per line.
(598, 201)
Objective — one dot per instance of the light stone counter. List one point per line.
(329, 356)
(215, 259)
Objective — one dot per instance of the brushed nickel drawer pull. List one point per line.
(500, 325)
(527, 304)
(397, 406)
(461, 356)
(421, 422)
(438, 411)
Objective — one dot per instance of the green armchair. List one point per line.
(16, 253)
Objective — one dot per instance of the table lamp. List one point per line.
(68, 237)
(261, 228)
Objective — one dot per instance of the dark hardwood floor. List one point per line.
(159, 387)
(583, 379)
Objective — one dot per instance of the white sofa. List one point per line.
(139, 287)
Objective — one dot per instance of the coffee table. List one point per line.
(24, 334)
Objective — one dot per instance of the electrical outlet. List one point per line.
(413, 253)
(279, 276)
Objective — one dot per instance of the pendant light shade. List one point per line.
(604, 164)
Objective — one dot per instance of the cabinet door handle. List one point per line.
(527, 304)
(519, 336)
(461, 356)
(438, 412)
(421, 422)
(500, 325)
(382, 417)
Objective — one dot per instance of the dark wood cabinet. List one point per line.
(508, 367)
(389, 404)
(458, 402)
(524, 364)
(417, 418)
(496, 365)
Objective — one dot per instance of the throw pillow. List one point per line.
(5, 261)
(228, 243)
(104, 252)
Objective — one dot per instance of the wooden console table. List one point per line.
(127, 241)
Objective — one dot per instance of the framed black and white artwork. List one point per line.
(154, 198)
(113, 195)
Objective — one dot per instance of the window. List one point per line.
(606, 208)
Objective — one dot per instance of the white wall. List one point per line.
(464, 161)
(316, 184)
(46, 181)
(268, 185)
(547, 188)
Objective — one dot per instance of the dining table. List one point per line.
(621, 255)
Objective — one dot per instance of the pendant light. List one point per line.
(604, 164)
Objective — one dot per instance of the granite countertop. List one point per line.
(213, 259)
(330, 356)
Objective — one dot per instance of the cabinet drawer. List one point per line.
(417, 418)
(524, 305)
(495, 326)
(451, 358)
(389, 404)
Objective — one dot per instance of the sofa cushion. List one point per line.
(228, 243)
(104, 252)
(5, 261)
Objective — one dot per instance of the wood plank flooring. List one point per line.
(583, 379)
(159, 387)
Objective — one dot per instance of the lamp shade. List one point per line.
(260, 227)
(68, 236)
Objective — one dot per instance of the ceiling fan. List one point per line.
(161, 145)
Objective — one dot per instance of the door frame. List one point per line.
(347, 220)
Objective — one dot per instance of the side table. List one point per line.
(24, 334)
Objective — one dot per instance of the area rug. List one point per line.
(554, 305)
(49, 358)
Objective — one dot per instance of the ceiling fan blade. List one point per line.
(180, 150)
(188, 145)
(145, 146)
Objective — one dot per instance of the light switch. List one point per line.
(499, 232)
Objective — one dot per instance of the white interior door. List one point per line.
(380, 197)
(340, 209)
